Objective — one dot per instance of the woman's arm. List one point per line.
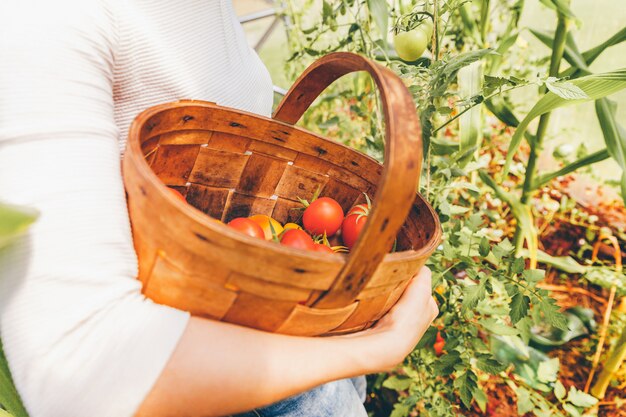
(80, 338)
(219, 368)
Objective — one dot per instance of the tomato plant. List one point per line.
(486, 285)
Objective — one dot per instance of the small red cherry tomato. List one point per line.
(439, 344)
(247, 226)
(323, 215)
(351, 228)
(297, 239)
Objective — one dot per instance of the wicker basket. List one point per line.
(229, 163)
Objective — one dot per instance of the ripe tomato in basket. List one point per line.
(353, 224)
(297, 239)
(247, 227)
(270, 226)
(323, 215)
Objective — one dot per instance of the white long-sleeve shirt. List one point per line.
(80, 338)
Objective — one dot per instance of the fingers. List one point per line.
(417, 297)
(419, 289)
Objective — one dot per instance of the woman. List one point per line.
(80, 338)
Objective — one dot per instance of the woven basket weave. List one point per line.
(229, 163)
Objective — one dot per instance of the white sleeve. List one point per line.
(79, 337)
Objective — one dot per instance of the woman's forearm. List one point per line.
(219, 369)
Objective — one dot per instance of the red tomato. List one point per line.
(247, 227)
(318, 247)
(178, 194)
(323, 215)
(297, 239)
(439, 344)
(351, 228)
(359, 209)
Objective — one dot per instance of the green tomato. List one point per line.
(427, 26)
(410, 45)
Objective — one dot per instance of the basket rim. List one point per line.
(135, 154)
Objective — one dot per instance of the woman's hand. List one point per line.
(396, 334)
(249, 368)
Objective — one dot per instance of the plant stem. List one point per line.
(435, 31)
(484, 21)
(612, 365)
(558, 46)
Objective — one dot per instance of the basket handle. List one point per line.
(400, 177)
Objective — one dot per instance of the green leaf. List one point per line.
(563, 263)
(524, 326)
(470, 123)
(483, 247)
(548, 370)
(572, 410)
(551, 313)
(534, 275)
(495, 327)
(524, 403)
(400, 410)
(593, 53)
(5, 413)
(570, 53)
(329, 123)
(521, 212)
(473, 294)
(590, 159)
(9, 398)
(549, 336)
(466, 384)
(596, 86)
(517, 267)
(566, 90)
(559, 390)
(14, 221)
(490, 365)
(327, 11)
(497, 106)
(607, 278)
(429, 338)
(519, 306)
(398, 382)
(380, 13)
(446, 363)
(614, 136)
(562, 7)
(580, 398)
(481, 399)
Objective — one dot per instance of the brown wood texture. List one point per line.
(229, 163)
(403, 159)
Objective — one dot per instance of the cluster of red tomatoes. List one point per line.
(324, 226)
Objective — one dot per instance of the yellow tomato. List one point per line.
(265, 221)
(292, 226)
